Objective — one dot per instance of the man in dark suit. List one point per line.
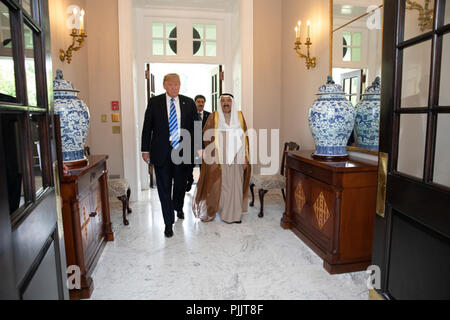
(162, 141)
(203, 116)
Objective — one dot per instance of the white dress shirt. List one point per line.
(178, 110)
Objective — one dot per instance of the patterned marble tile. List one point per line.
(254, 260)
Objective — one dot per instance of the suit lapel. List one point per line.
(182, 110)
(164, 116)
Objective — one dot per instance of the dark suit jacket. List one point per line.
(206, 115)
(155, 133)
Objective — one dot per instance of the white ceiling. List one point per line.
(219, 5)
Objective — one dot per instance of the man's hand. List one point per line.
(146, 157)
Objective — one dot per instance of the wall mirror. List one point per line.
(356, 49)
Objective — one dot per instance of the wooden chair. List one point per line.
(120, 189)
(264, 183)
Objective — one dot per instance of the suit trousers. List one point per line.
(171, 185)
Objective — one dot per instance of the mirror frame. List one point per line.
(330, 71)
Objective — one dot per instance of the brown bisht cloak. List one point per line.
(207, 194)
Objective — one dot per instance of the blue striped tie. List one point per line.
(173, 125)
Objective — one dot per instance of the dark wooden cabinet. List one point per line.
(331, 207)
(86, 217)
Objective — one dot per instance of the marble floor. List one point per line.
(256, 260)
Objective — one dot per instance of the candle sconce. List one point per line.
(78, 35)
(425, 13)
(310, 61)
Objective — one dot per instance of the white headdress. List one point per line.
(234, 131)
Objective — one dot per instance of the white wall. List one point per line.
(299, 85)
(104, 81)
(94, 70)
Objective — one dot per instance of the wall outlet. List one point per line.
(104, 118)
(116, 129)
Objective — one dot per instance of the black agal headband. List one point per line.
(227, 95)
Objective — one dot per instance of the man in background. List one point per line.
(203, 116)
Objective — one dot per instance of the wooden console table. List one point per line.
(86, 219)
(330, 206)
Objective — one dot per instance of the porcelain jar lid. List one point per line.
(374, 89)
(59, 84)
(330, 87)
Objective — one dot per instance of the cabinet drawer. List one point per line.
(310, 170)
(85, 182)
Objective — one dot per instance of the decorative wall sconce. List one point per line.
(310, 62)
(78, 35)
(425, 14)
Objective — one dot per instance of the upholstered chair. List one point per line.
(264, 183)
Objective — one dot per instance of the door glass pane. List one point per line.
(447, 12)
(444, 92)
(211, 32)
(30, 66)
(158, 47)
(354, 90)
(157, 30)
(13, 160)
(211, 49)
(442, 154)
(411, 147)
(7, 74)
(416, 75)
(418, 17)
(347, 87)
(26, 5)
(37, 154)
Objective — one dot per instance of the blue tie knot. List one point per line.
(173, 99)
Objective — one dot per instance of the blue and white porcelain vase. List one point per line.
(74, 118)
(331, 120)
(367, 121)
